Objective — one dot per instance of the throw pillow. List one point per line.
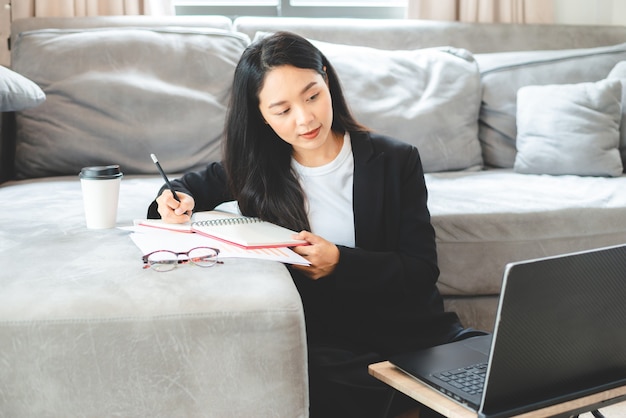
(17, 92)
(429, 98)
(619, 73)
(569, 129)
(504, 73)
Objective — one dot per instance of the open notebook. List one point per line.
(243, 231)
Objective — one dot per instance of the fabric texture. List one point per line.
(486, 219)
(503, 74)
(429, 98)
(129, 92)
(569, 129)
(73, 8)
(409, 34)
(329, 191)
(487, 11)
(86, 332)
(17, 92)
(619, 73)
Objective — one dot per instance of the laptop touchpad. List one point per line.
(482, 344)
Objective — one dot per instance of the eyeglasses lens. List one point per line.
(163, 260)
(203, 257)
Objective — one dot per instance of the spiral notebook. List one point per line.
(243, 231)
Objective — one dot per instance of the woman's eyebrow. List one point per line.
(304, 90)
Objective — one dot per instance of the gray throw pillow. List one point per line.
(429, 98)
(619, 73)
(569, 129)
(115, 95)
(17, 92)
(504, 73)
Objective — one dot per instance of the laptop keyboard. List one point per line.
(469, 379)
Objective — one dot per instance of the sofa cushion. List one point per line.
(17, 92)
(428, 97)
(117, 95)
(486, 219)
(569, 129)
(503, 74)
(619, 73)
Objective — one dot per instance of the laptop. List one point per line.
(560, 334)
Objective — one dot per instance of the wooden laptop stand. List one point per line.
(433, 399)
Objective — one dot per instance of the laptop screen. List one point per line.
(560, 331)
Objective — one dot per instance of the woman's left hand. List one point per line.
(323, 255)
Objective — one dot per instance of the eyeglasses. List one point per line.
(165, 260)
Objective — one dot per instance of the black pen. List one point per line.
(167, 181)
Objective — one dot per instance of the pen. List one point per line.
(167, 181)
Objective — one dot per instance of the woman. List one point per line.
(295, 156)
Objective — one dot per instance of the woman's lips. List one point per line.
(311, 134)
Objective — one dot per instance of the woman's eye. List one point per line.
(314, 97)
(284, 112)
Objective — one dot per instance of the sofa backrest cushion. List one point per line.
(393, 34)
(503, 74)
(427, 97)
(28, 24)
(116, 95)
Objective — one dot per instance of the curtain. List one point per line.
(486, 11)
(69, 8)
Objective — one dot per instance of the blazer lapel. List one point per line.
(368, 191)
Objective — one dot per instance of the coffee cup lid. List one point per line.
(101, 172)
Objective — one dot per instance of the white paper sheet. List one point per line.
(150, 239)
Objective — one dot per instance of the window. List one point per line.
(295, 8)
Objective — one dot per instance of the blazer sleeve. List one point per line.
(208, 187)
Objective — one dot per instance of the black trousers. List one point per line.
(341, 387)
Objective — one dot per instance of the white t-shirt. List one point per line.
(329, 196)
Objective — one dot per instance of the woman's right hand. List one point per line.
(171, 210)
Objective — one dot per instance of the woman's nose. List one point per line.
(304, 116)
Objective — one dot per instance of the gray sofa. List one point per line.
(85, 331)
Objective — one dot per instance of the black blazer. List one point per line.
(382, 296)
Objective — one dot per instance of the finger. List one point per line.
(173, 211)
(182, 210)
(303, 234)
(300, 249)
(184, 206)
(304, 251)
(307, 271)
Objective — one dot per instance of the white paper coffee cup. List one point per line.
(101, 190)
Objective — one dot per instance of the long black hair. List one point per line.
(257, 160)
